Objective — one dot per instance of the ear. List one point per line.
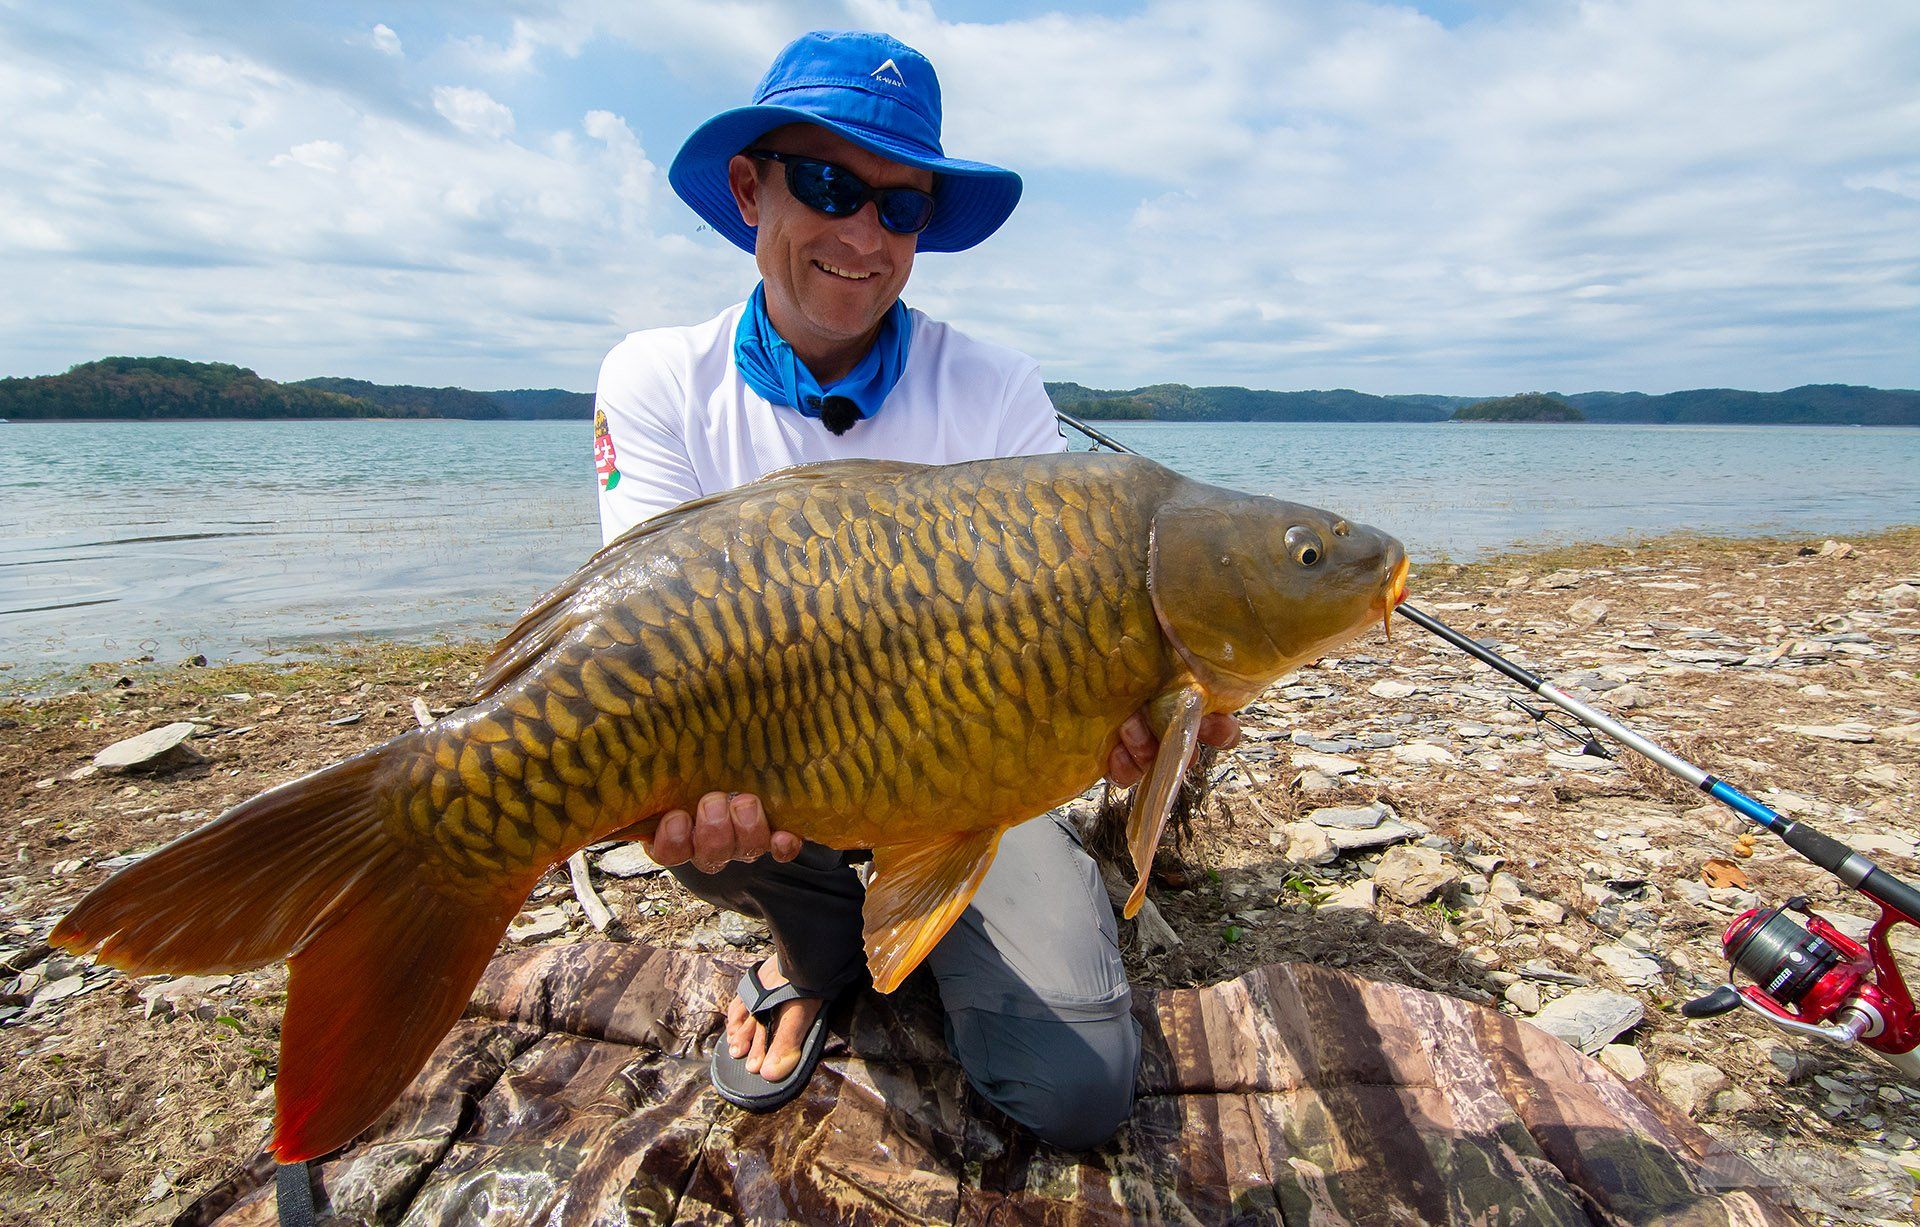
(743, 176)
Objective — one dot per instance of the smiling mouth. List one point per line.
(842, 273)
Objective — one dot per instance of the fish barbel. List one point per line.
(900, 657)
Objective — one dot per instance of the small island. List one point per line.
(1526, 407)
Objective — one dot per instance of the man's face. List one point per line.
(829, 279)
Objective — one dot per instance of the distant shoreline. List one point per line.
(175, 389)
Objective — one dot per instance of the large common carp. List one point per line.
(892, 656)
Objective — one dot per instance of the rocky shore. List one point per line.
(1390, 811)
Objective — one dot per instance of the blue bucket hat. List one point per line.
(871, 89)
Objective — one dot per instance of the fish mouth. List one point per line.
(1395, 594)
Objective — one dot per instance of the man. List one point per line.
(835, 179)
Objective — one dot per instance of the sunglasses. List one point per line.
(838, 192)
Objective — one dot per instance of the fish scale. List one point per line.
(891, 656)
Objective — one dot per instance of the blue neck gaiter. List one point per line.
(772, 369)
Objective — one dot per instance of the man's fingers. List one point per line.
(1139, 739)
(750, 836)
(673, 839)
(1122, 769)
(1220, 730)
(785, 845)
(713, 839)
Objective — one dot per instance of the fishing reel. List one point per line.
(1814, 980)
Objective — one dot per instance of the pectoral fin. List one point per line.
(915, 894)
(1153, 800)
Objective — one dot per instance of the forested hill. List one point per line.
(173, 389)
(1176, 402)
(176, 389)
(1812, 405)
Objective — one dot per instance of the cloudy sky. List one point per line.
(1432, 197)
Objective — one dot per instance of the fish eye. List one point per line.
(1304, 545)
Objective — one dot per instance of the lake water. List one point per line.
(240, 539)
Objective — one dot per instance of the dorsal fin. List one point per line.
(558, 611)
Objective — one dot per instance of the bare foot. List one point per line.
(772, 1058)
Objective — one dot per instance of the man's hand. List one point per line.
(723, 827)
(1134, 752)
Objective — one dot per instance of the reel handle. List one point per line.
(1719, 1001)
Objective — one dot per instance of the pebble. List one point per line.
(1589, 612)
(537, 925)
(1625, 1060)
(1422, 754)
(1412, 875)
(1691, 1085)
(1524, 996)
(1359, 894)
(1308, 844)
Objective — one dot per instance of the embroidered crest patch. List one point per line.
(604, 461)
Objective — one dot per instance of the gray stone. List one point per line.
(164, 746)
(1422, 754)
(1633, 968)
(59, 990)
(1332, 764)
(1589, 1018)
(1691, 1085)
(1503, 887)
(728, 929)
(628, 861)
(1412, 875)
(1376, 837)
(1629, 696)
(1352, 817)
(1313, 781)
(1851, 731)
(168, 996)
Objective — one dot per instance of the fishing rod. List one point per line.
(1811, 979)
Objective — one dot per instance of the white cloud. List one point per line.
(473, 111)
(385, 40)
(1620, 193)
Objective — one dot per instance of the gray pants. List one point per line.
(1036, 999)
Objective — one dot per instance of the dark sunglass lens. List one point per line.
(905, 211)
(826, 187)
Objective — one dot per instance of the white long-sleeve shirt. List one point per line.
(674, 420)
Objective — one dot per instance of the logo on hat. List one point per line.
(889, 72)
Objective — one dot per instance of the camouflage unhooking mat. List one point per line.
(574, 1091)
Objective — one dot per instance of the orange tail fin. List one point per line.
(381, 962)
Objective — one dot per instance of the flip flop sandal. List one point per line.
(740, 1086)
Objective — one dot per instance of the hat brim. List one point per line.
(973, 198)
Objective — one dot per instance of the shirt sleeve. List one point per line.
(1029, 427)
(640, 456)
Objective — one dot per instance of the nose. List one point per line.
(863, 231)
